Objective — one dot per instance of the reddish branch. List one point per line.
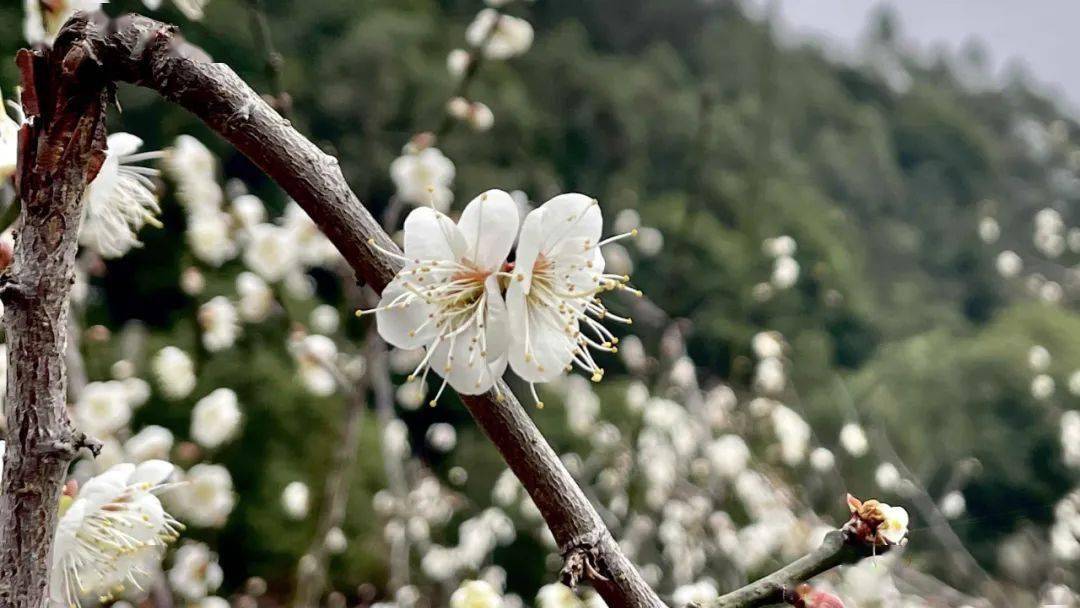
(148, 53)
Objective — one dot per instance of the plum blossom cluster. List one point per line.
(474, 313)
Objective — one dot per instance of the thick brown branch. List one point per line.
(66, 95)
(149, 53)
(837, 549)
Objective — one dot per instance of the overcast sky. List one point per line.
(1041, 33)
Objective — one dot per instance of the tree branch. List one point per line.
(839, 547)
(60, 151)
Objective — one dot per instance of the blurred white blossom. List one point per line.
(215, 418)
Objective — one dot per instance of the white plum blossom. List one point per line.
(953, 504)
(248, 210)
(315, 355)
(335, 541)
(215, 418)
(781, 246)
(209, 238)
(195, 572)
(895, 526)
(887, 476)
(270, 251)
(499, 36)
(205, 498)
(1038, 358)
(989, 230)
(256, 299)
(699, 593)
(441, 437)
(175, 372)
(480, 117)
(220, 324)
(822, 459)
(424, 178)
(557, 595)
(768, 344)
(1042, 387)
(295, 499)
(325, 319)
(120, 200)
(475, 594)
(112, 534)
(311, 245)
(1008, 264)
(729, 455)
(194, 168)
(853, 439)
(102, 408)
(457, 61)
(1070, 438)
(151, 443)
(555, 311)
(192, 281)
(650, 241)
(9, 143)
(785, 272)
(447, 299)
(793, 432)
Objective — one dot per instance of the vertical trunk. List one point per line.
(59, 154)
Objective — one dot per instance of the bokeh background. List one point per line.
(901, 174)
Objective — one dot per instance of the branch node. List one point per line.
(580, 564)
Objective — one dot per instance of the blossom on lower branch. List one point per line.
(447, 298)
(111, 534)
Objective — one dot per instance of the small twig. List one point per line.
(273, 60)
(476, 57)
(839, 547)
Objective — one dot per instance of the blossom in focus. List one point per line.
(102, 408)
(895, 526)
(111, 534)
(424, 178)
(555, 312)
(9, 143)
(499, 36)
(120, 200)
(206, 497)
(475, 594)
(195, 572)
(215, 418)
(175, 372)
(447, 297)
(220, 324)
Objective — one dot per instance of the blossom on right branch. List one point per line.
(877, 523)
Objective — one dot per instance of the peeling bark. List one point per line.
(66, 95)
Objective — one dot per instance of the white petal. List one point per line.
(550, 349)
(122, 144)
(572, 223)
(529, 243)
(400, 326)
(152, 472)
(490, 225)
(430, 235)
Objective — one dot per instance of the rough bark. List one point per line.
(66, 95)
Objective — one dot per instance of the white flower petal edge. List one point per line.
(110, 535)
(553, 302)
(121, 199)
(447, 297)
